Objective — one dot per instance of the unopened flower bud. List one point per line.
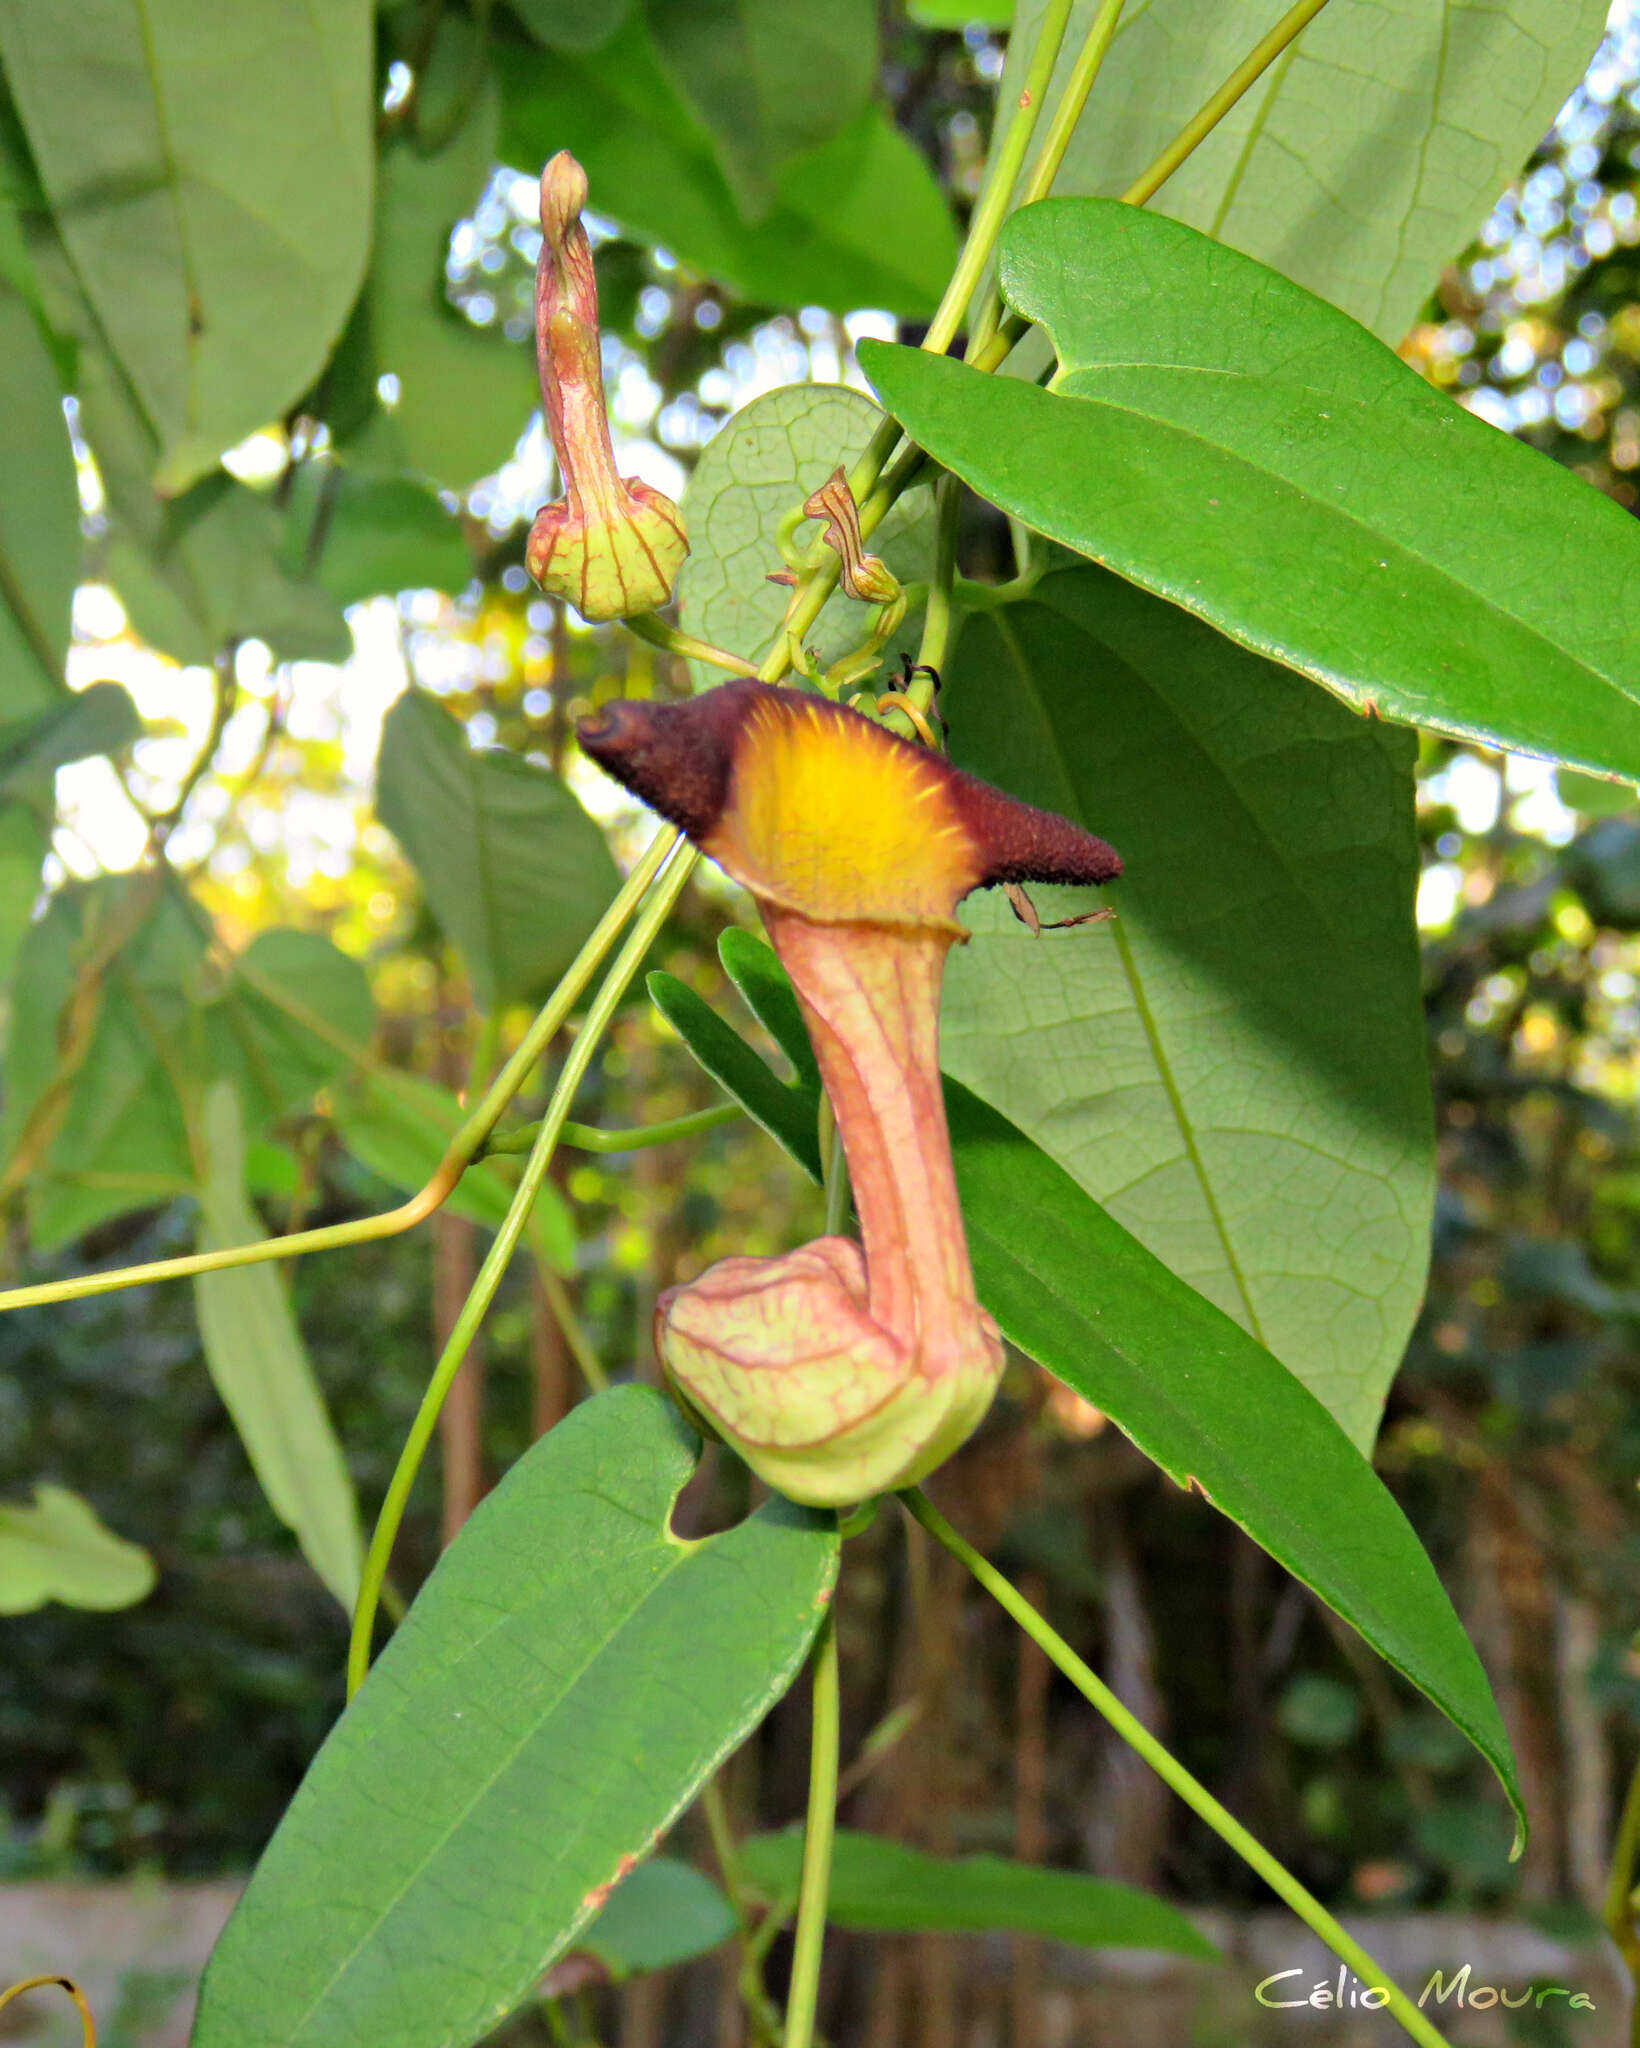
(612, 545)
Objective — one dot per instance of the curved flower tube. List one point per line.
(612, 545)
(842, 1370)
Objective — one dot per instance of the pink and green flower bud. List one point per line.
(841, 1370)
(612, 545)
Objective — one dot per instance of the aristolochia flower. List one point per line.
(840, 1370)
(612, 545)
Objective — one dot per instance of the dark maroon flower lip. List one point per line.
(814, 806)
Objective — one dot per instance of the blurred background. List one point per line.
(162, 1743)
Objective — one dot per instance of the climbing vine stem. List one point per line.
(458, 1155)
(1168, 1768)
(818, 1831)
(587, 1040)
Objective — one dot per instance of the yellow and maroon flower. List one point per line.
(612, 545)
(842, 1370)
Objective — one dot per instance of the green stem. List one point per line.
(1200, 126)
(760, 2010)
(589, 1138)
(1167, 1767)
(660, 632)
(458, 1155)
(1619, 1908)
(818, 1830)
(1089, 63)
(587, 1040)
(1001, 176)
(575, 1336)
(938, 619)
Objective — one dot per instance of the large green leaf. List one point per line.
(39, 517)
(514, 870)
(543, 1713)
(1235, 1065)
(464, 394)
(1407, 555)
(763, 464)
(883, 1888)
(769, 79)
(58, 1550)
(211, 175)
(1212, 1407)
(259, 1366)
(859, 221)
(1207, 1402)
(196, 571)
(1362, 161)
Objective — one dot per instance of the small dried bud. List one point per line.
(866, 577)
(612, 545)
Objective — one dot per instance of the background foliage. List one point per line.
(261, 981)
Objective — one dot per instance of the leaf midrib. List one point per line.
(670, 1565)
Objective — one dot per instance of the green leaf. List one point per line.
(1203, 1399)
(761, 465)
(296, 1014)
(882, 1888)
(117, 1135)
(212, 576)
(1362, 161)
(221, 245)
(399, 1126)
(1235, 1066)
(769, 80)
(514, 870)
(751, 964)
(195, 571)
(24, 841)
(571, 24)
(58, 1550)
(664, 1913)
(39, 516)
(464, 394)
(372, 534)
(96, 720)
(1410, 557)
(259, 1367)
(1594, 795)
(543, 1713)
(960, 13)
(117, 1126)
(858, 222)
(1211, 1406)
(787, 1114)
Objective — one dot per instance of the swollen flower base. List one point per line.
(842, 1370)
